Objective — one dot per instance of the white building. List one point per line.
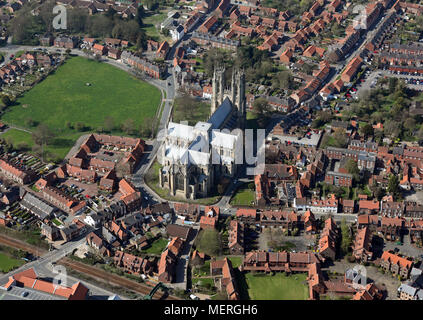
(177, 33)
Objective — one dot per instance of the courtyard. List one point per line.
(273, 287)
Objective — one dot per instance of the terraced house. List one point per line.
(397, 265)
(15, 173)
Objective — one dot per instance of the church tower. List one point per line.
(218, 87)
(240, 100)
(214, 92)
(236, 93)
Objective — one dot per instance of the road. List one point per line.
(44, 268)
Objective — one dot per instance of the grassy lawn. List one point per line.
(56, 222)
(157, 247)
(251, 120)
(243, 197)
(64, 97)
(8, 264)
(150, 23)
(236, 261)
(277, 287)
(202, 271)
(199, 111)
(204, 281)
(18, 137)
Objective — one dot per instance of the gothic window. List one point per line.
(180, 181)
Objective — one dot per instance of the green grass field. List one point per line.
(236, 261)
(8, 264)
(157, 247)
(277, 287)
(18, 137)
(64, 97)
(243, 197)
(150, 23)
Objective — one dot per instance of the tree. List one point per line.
(128, 126)
(366, 130)
(283, 80)
(22, 146)
(42, 135)
(6, 100)
(146, 127)
(109, 124)
(346, 237)
(392, 128)
(140, 15)
(29, 122)
(80, 126)
(353, 169)
(340, 138)
(410, 124)
(262, 108)
(393, 186)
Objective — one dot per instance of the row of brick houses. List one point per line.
(396, 264)
(62, 201)
(15, 173)
(152, 69)
(286, 219)
(328, 239)
(278, 261)
(132, 264)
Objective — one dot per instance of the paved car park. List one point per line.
(406, 248)
(16, 293)
(414, 82)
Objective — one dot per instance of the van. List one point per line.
(194, 297)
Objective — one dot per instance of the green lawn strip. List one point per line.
(277, 287)
(18, 137)
(7, 263)
(204, 281)
(202, 271)
(157, 247)
(243, 197)
(236, 261)
(56, 222)
(64, 97)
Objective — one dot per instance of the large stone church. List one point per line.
(195, 158)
